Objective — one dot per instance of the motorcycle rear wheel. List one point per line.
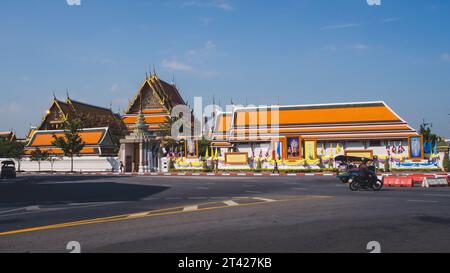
(354, 185)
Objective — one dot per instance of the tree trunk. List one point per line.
(39, 164)
(71, 164)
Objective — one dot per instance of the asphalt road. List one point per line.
(217, 215)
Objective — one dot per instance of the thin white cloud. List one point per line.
(11, 108)
(194, 61)
(115, 87)
(445, 57)
(218, 4)
(330, 47)
(359, 46)
(341, 26)
(176, 65)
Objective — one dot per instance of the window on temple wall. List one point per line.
(375, 143)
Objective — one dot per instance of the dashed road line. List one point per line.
(264, 199)
(423, 201)
(230, 203)
(190, 208)
(165, 212)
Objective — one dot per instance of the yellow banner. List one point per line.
(236, 158)
(310, 149)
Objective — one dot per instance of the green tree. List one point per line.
(446, 163)
(203, 144)
(426, 131)
(71, 143)
(13, 150)
(387, 166)
(39, 156)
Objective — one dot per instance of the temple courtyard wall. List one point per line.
(80, 164)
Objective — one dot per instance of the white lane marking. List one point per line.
(190, 208)
(230, 203)
(32, 208)
(438, 195)
(422, 201)
(137, 215)
(242, 174)
(202, 188)
(292, 174)
(264, 199)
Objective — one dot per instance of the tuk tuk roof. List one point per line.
(344, 158)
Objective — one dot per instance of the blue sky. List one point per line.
(294, 51)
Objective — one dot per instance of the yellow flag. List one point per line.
(322, 151)
(331, 149)
(338, 148)
(216, 154)
(207, 153)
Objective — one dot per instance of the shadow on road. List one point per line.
(73, 190)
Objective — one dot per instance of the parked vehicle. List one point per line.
(8, 170)
(348, 172)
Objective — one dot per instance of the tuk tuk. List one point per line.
(348, 167)
(8, 169)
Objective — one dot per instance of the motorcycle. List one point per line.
(349, 173)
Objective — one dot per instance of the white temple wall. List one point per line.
(83, 164)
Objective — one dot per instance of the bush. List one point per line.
(259, 166)
(171, 165)
(387, 166)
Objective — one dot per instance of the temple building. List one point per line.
(7, 136)
(156, 98)
(147, 121)
(90, 115)
(308, 134)
(97, 122)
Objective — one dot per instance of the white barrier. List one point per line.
(434, 182)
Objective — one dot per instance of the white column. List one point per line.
(141, 157)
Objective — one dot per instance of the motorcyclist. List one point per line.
(364, 172)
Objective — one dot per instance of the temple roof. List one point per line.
(321, 121)
(166, 93)
(81, 107)
(73, 108)
(8, 136)
(94, 139)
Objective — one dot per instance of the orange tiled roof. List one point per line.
(46, 139)
(332, 121)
